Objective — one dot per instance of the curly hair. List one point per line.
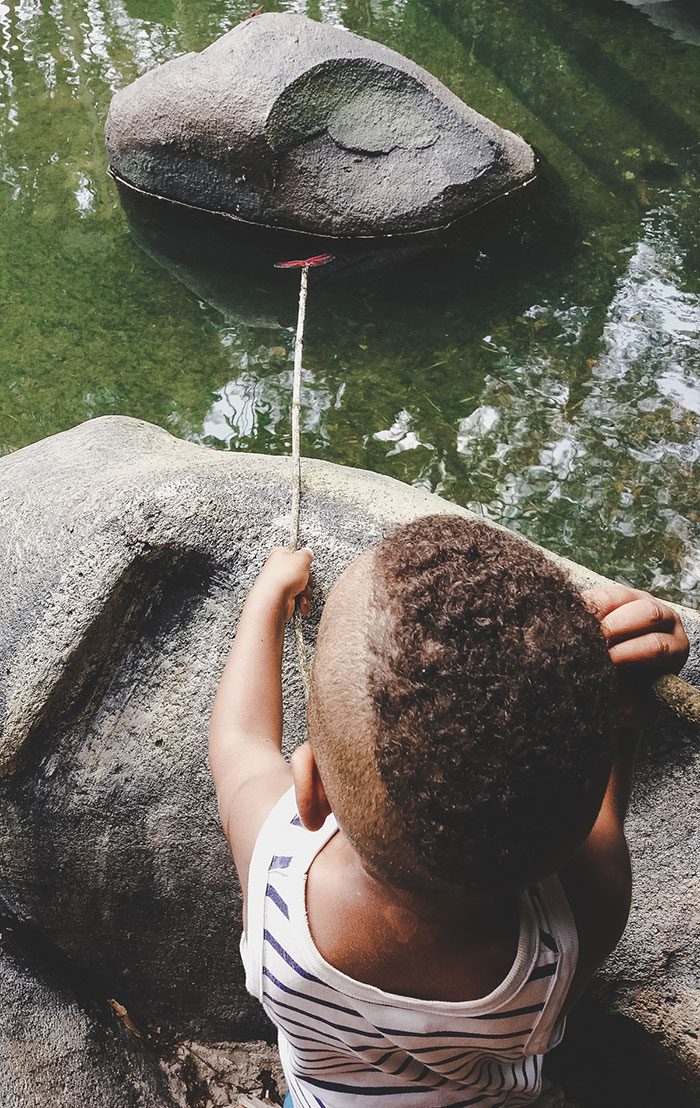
(493, 701)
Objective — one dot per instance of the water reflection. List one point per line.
(626, 453)
(560, 447)
(251, 409)
(550, 381)
(401, 435)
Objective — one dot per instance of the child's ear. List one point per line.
(312, 802)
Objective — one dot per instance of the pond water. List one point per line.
(550, 380)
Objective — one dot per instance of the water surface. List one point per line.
(551, 380)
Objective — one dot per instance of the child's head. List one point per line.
(462, 708)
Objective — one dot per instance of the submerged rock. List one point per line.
(126, 557)
(290, 123)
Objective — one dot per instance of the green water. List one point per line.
(553, 383)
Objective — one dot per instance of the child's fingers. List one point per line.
(305, 597)
(304, 559)
(302, 556)
(638, 617)
(282, 555)
(640, 630)
(656, 650)
(286, 573)
(605, 599)
(298, 562)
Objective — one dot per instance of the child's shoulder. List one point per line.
(372, 933)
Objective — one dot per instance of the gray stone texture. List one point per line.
(58, 1051)
(291, 123)
(126, 557)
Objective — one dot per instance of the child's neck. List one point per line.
(435, 903)
(372, 930)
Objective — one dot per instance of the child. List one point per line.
(433, 882)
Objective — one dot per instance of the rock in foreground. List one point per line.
(126, 557)
(290, 123)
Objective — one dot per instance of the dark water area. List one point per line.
(545, 374)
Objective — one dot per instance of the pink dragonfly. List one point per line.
(305, 263)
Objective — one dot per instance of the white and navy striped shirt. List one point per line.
(343, 1042)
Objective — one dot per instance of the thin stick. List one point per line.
(296, 409)
(304, 669)
(303, 264)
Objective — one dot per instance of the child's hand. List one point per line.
(645, 639)
(284, 577)
(641, 630)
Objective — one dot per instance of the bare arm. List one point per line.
(245, 736)
(645, 638)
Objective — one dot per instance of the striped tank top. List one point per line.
(343, 1042)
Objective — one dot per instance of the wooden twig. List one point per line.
(304, 668)
(304, 265)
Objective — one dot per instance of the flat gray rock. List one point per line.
(126, 557)
(290, 123)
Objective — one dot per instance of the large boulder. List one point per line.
(290, 123)
(125, 559)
